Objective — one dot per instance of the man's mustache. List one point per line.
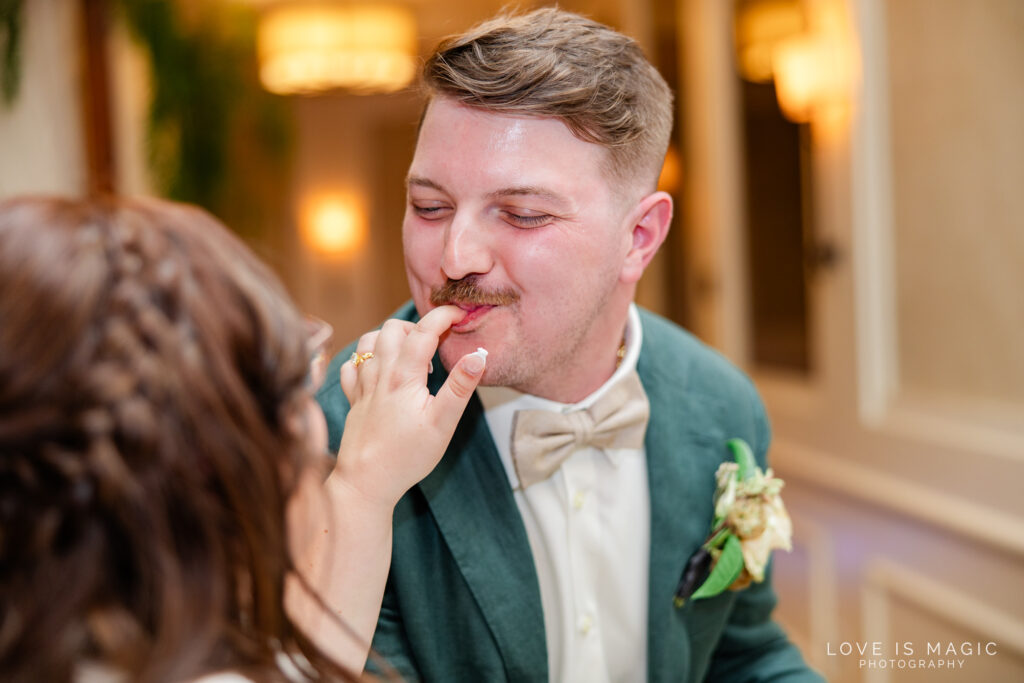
(467, 291)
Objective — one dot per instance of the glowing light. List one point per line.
(308, 47)
(760, 26)
(814, 72)
(801, 76)
(806, 47)
(334, 224)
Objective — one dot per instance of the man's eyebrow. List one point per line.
(514, 191)
(417, 181)
(531, 191)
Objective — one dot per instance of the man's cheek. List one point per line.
(418, 284)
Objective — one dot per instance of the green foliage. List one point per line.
(11, 14)
(726, 570)
(744, 457)
(205, 93)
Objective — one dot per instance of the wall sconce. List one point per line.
(807, 77)
(334, 224)
(814, 71)
(759, 27)
(310, 47)
(805, 47)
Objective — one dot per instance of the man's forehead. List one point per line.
(440, 105)
(446, 119)
(502, 154)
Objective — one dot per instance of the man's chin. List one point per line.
(456, 346)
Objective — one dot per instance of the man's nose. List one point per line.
(466, 250)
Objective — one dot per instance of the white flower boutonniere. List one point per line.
(750, 521)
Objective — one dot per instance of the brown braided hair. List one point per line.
(150, 372)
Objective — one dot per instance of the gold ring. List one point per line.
(358, 359)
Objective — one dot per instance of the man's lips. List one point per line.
(473, 313)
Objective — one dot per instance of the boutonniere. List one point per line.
(750, 521)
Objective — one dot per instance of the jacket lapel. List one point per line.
(472, 504)
(681, 445)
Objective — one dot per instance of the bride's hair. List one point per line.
(151, 369)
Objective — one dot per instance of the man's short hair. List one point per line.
(552, 63)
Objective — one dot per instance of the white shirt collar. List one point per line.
(501, 403)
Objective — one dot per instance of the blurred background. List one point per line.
(849, 183)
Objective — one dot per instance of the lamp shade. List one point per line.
(312, 47)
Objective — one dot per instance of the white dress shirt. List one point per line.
(590, 533)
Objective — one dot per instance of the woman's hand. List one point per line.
(396, 432)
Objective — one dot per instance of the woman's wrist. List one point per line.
(352, 495)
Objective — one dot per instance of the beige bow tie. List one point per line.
(542, 439)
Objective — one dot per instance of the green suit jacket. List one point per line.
(462, 601)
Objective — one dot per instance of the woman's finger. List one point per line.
(438, 320)
(349, 374)
(451, 400)
(389, 344)
(421, 342)
(366, 370)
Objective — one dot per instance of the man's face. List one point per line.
(516, 217)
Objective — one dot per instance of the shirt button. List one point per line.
(578, 499)
(585, 624)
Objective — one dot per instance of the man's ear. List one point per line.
(650, 222)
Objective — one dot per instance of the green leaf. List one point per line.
(726, 570)
(743, 456)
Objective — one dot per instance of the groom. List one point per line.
(548, 543)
